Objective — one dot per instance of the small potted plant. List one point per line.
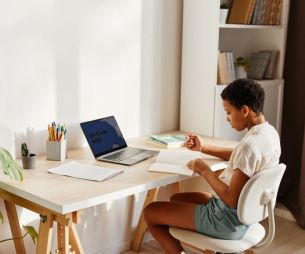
(241, 67)
(28, 159)
(11, 168)
(224, 10)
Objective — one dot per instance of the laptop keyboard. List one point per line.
(122, 155)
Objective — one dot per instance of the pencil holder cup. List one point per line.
(56, 151)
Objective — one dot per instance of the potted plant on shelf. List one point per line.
(241, 67)
(224, 10)
(11, 168)
(28, 159)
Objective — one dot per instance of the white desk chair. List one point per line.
(256, 202)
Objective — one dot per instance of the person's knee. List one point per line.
(148, 211)
(174, 197)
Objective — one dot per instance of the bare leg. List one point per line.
(192, 197)
(160, 215)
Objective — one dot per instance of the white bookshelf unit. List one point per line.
(203, 37)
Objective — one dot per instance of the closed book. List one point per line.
(223, 75)
(278, 13)
(261, 12)
(251, 12)
(167, 141)
(231, 69)
(255, 13)
(258, 62)
(241, 11)
(271, 68)
(272, 13)
(223, 68)
(267, 12)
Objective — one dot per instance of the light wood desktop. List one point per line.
(59, 199)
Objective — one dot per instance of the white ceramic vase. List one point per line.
(240, 72)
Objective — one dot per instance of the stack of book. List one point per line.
(167, 141)
(267, 12)
(225, 68)
(256, 12)
(263, 64)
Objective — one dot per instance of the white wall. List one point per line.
(76, 60)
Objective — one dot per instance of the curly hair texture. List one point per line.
(245, 92)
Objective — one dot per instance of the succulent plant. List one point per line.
(24, 150)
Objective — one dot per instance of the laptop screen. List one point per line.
(103, 136)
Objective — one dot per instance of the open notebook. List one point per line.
(84, 171)
(174, 161)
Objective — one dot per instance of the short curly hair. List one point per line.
(245, 92)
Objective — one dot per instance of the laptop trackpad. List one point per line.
(137, 158)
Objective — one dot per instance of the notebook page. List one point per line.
(179, 157)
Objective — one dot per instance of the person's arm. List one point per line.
(195, 143)
(228, 194)
(220, 152)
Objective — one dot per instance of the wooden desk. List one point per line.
(60, 199)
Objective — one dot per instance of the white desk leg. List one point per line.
(15, 226)
(45, 234)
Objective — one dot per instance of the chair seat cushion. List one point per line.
(254, 235)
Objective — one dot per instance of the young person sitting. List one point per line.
(215, 214)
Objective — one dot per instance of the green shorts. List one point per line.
(218, 220)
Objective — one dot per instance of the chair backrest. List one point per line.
(260, 190)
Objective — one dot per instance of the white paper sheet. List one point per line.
(84, 171)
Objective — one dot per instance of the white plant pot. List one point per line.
(223, 16)
(240, 72)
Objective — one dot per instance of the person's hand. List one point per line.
(199, 166)
(193, 142)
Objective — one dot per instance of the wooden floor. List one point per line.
(289, 239)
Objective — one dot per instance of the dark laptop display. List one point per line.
(108, 144)
(103, 135)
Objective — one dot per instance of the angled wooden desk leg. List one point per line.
(176, 187)
(63, 239)
(73, 236)
(142, 227)
(15, 226)
(45, 234)
(74, 240)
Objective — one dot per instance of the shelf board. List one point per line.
(262, 81)
(240, 26)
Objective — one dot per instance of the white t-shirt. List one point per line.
(259, 149)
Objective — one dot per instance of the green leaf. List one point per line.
(32, 232)
(10, 166)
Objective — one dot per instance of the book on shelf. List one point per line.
(242, 11)
(225, 68)
(175, 162)
(167, 141)
(270, 72)
(259, 62)
(267, 12)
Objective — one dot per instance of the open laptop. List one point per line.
(108, 144)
